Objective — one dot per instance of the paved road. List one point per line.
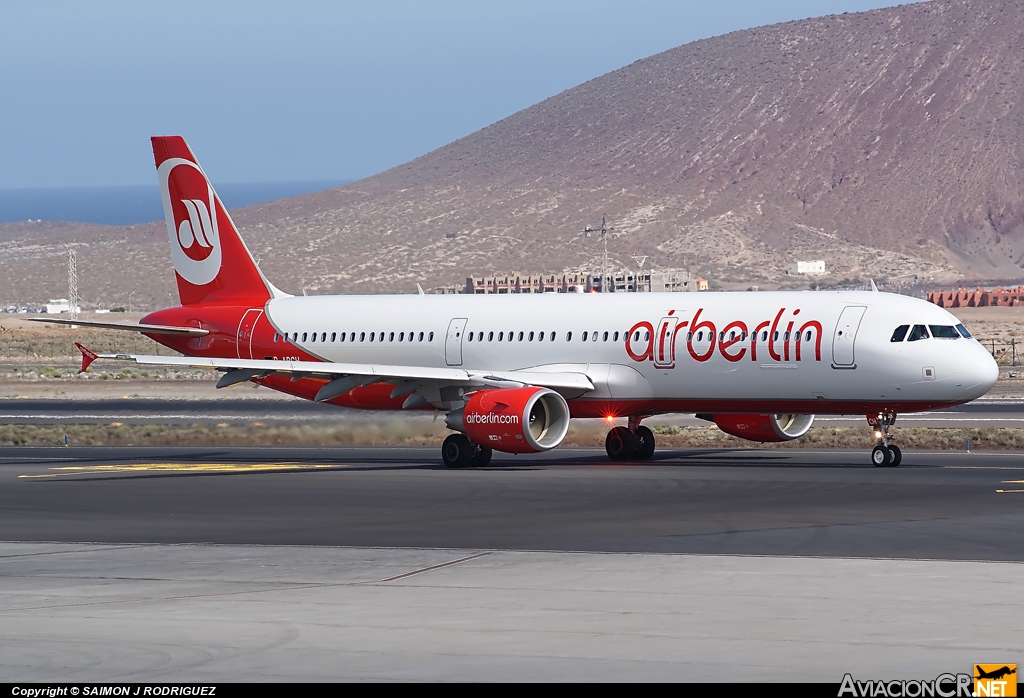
(938, 505)
(981, 413)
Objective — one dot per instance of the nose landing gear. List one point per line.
(634, 442)
(884, 455)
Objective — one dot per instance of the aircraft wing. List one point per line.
(129, 326)
(344, 377)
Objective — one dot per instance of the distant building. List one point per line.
(622, 281)
(978, 298)
(59, 305)
(816, 267)
(702, 284)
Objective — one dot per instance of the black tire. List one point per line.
(644, 443)
(482, 457)
(897, 456)
(620, 444)
(880, 456)
(457, 451)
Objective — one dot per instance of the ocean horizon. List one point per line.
(129, 205)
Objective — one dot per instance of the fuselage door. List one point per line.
(243, 342)
(664, 343)
(845, 337)
(453, 342)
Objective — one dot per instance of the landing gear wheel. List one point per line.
(880, 456)
(896, 456)
(620, 444)
(457, 451)
(482, 457)
(645, 443)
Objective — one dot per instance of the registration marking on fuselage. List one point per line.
(64, 471)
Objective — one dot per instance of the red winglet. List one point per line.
(88, 356)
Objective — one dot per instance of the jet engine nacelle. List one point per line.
(765, 427)
(513, 420)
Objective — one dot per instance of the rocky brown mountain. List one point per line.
(886, 142)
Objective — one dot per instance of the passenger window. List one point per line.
(531, 336)
(342, 337)
(352, 337)
(479, 336)
(371, 336)
(391, 337)
(616, 337)
(898, 335)
(540, 336)
(490, 336)
(469, 337)
(919, 332)
(568, 336)
(334, 336)
(584, 336)
(775, 337)
(421, 336)
(520, 336)
(401, 336)
(362, 336)
(604, 337)
(501, 336)
(647, 336)
(786, 338)
(944, 332)
(764, 336)
(430, 338)
(303, 336)
(689, 336)
(963, 331)
(510, 336)
(593, 336)
(700, 336)
(636, 337)
(807, 337)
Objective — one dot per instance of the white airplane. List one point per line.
(510, 371)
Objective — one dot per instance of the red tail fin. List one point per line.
(211, 262)
(88, 357)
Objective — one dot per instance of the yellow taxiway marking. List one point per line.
(179, 468)
(1009, 491)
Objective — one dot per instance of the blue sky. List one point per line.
(309, 90)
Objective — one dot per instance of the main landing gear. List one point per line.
(885, 454)
(458, 451)
(634, 442)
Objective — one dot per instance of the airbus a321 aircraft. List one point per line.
(510, 370)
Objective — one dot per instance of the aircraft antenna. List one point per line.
(73, 283)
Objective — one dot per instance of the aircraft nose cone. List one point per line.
(978, 373)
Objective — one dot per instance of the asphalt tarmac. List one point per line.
(298, 564)
(937, 505)
(273, 410)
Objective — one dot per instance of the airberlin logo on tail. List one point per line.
(191, 212)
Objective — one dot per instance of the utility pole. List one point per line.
(73, 282)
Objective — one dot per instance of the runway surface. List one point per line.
(937, 505)
(242, 564)
(272, 409)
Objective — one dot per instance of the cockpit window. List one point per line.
(900, 333)
(919, 332)
(944, 332)
(963, 331)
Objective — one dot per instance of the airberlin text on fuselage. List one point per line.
(786, 337)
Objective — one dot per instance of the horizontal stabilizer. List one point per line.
(130, 327)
